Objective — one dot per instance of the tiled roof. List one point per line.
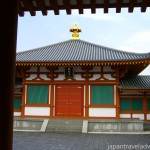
(77, 51)
(135, 82)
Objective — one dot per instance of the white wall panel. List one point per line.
(44, 76)
(108, 76)
(96, 69)
(125, 115)
(148, 116)
(37, 111)
(16, 114)
(78, 77)
(44, 69)
(95, 76)
(139, 116)
(107, 68)
(60, 77)
(32, 69)
(60, 69)
(32, 76)
(102, 112)
(78, 69)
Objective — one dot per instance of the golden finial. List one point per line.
(75, 31)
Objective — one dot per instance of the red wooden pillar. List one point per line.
(117, 96)
(52, 100)
(117, 103)
(145, 100)
(87, 101)
(8, 33)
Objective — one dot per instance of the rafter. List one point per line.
(144, 6)
(106, 3)
(54, 6)
(67, 6)
(20, 10)
(93, 10)
(29, 6)
(131, 5)
(118, 6)
(80, 7)
(42, 6)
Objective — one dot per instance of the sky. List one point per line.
(123, 31)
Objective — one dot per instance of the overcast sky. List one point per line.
(124, 31)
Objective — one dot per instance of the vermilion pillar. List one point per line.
(8, 33)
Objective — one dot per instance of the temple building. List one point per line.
(79, 79)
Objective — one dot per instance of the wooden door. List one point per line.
(69, 101)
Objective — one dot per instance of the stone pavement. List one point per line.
(77, 141)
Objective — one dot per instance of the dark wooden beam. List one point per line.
(93, 10)
(67, 6)
(80, 6)
(118, 6)
(144, 5)
(54, 6)
(8, 30)
(131, 5)
(106, 3)
(29, 6)
(20, 10)
(42, 6)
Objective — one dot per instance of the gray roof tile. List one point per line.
(77, 51)
(135, 82)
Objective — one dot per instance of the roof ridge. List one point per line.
(118, 50)
(94, 44)
(137, 76)
(42, 47)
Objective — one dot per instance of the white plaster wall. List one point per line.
(17, 114)
(95, 76)
(43, 69)
(139, 116)
(125, 115)
(60, 69)
(78, 69)
(32, 69)
(102, 112)
(96, 69)
(148, 116)
(44, 76)
(107, 68)
(37, 111)
(78, 77)
(60, 77)
(108, 76)
(32, 76)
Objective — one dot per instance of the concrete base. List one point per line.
(115, 126)
(146, 126)
(32, 125)
(81, 126)
(65, 125)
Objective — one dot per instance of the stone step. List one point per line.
(64, 125)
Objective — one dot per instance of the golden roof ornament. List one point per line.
(75, 32)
